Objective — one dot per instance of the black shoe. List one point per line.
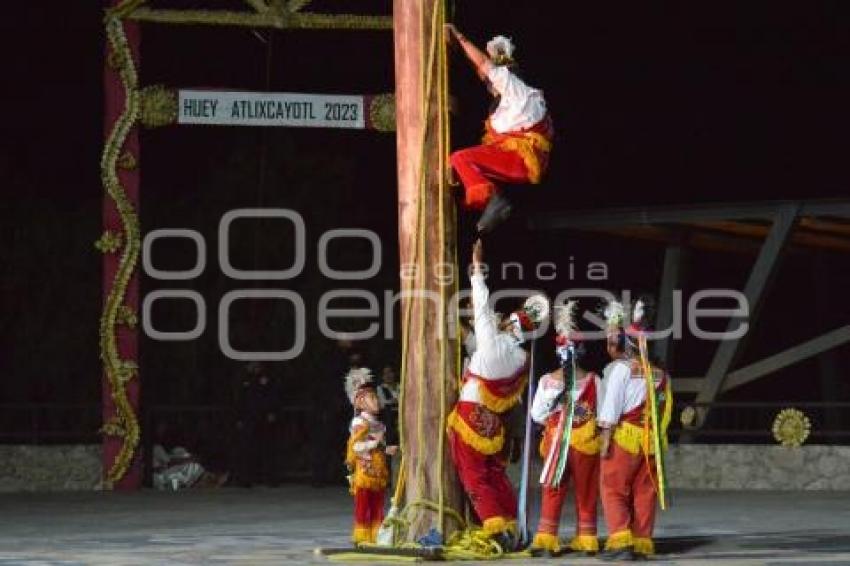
(507, 541)
(537, 552)
(619, 555)
(498, 209)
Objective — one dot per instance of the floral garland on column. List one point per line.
(119, 371)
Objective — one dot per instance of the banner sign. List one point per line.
(233, 108)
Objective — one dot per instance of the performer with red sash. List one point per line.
(518, 132)
(366, 456)
(630, 481)
(493, 383)
(551, 408)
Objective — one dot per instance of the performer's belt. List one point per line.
(533, 145)
(629, 433)
(477, 427)
(499, 395)
(583, 437)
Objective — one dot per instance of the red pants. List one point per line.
(480, 165)
(368, 514)
(583, 469)
(485, 482)
(628, 499)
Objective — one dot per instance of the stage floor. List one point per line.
(284, 526)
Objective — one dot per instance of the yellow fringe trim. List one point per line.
(364, 481)
(618, 540)
(525, 146)
(585, 543)
(361, 479)
(629, 437)
(361, 534)
(545, 541)
(357, 435)
(496, 525)
(644, 546)
(502, 404)
(584, 438)
(480, 443)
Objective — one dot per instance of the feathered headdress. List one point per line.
(638, 317)
(534, 311)
(565, 319)
(357, 380)
(615, 314)
(501, 50)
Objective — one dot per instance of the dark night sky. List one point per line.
(653, 102)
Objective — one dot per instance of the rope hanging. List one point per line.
(466, 543)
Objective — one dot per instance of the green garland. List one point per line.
(118, 371)
(382, 112)
(158, 106)
(268, 19)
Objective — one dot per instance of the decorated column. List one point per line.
(119, 244)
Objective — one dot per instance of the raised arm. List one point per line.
(485, 325)
(477, 57)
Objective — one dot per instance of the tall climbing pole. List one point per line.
(427, 245)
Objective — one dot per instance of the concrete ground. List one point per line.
(285, 525)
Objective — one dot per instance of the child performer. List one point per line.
(566, 403)
(635, 414)
(366, 456)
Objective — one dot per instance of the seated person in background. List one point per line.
(178, 469)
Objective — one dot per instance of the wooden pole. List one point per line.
(427, 240)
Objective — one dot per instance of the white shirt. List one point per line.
(497, 354)
(520, 106)
(548, 391)
(469, 348)
(622, 393)
(373, 438)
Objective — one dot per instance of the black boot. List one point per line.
(498, 209)
(507, 541)
(618, 555)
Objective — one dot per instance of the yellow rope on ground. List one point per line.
(370, 558)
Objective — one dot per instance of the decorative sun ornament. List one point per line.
(688, 416)
(791, 427)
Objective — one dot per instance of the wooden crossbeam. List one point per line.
(825, 226)
(669, 235)
(760, 231)
(761, 276)
(773, 363)
(683, 214)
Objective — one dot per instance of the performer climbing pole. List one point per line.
(517, 138)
